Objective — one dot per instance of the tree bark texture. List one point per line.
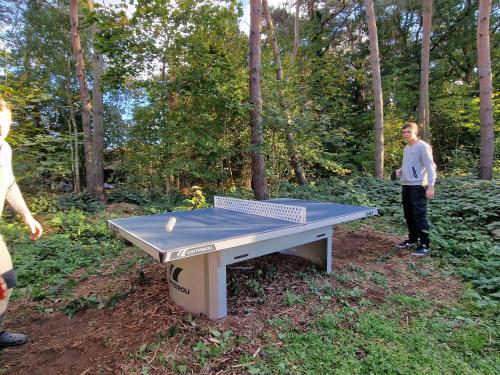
(296, 41)
(259, 183)
(84, 93)
(97, 117)
(74, 143)
(485, 91)
(423, 103)
(377, 90)
(296, 165)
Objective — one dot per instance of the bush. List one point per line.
(84, 201)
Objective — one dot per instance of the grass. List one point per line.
(403, 336)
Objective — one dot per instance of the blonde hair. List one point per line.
(5, 108)
(410, 124)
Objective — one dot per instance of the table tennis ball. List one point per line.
(170, 224)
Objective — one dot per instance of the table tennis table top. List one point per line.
(211, 229)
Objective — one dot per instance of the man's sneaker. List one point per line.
(422, 251)
(406, 244)
(8, 339)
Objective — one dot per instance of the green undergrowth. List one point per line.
(74, 240)
(402, 336)
(464, 222)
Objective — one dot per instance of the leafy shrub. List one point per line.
(126, 195)
(84, 201)
(77, 224)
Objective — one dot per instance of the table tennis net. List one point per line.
(286, 212)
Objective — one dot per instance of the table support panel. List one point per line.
(198, 284)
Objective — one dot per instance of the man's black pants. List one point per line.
(415, 210)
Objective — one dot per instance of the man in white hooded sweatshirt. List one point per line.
(418, 175)
(9, 191)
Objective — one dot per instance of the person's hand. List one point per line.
(429, 192)
(398, 172)
(3, 288)
(34, 226)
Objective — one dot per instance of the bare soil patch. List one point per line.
(121, 339)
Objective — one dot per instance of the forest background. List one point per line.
(157, 99)
(176, 104)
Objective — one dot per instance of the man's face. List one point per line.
(409, 134)
(5, 120)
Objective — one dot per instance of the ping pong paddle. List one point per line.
(169, 226)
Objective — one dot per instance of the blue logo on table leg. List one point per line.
(174, 273)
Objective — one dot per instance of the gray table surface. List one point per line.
(210, 225)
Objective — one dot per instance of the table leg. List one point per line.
(216, 287)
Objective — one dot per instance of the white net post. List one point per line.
(286, 212)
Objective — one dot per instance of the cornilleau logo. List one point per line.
(195, 251)
(174, 273)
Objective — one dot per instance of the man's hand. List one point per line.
(429, 192)
(3, 288)
(34, 226)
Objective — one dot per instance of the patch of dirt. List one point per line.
(121, 339)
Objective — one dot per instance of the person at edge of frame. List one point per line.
(9, 191)
(418, 175)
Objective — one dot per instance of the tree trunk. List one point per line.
(485, 91)
(310, 9)
(297, 167)
(296, 41)
(377, 90)
(74, 144)
(423, 104)
(97, 117)
(259, 184)
(84, 93)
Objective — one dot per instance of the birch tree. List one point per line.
(485, 90)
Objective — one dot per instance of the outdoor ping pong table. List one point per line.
(204, 241)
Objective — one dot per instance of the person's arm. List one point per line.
(15, 199)
(430, 167)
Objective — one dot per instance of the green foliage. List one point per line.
(463, 217)
(291, 299)
(127, 195)
(46, 267)
(216, 344)
(84, 201)
(198, 199)
(81, 304)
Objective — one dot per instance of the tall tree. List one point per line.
(92, 116)
(485, 90)
(377, 90)
(84, 93)
(97, 113)
(259, 184)
(423, 102)
(296, 40)
(297, 167)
